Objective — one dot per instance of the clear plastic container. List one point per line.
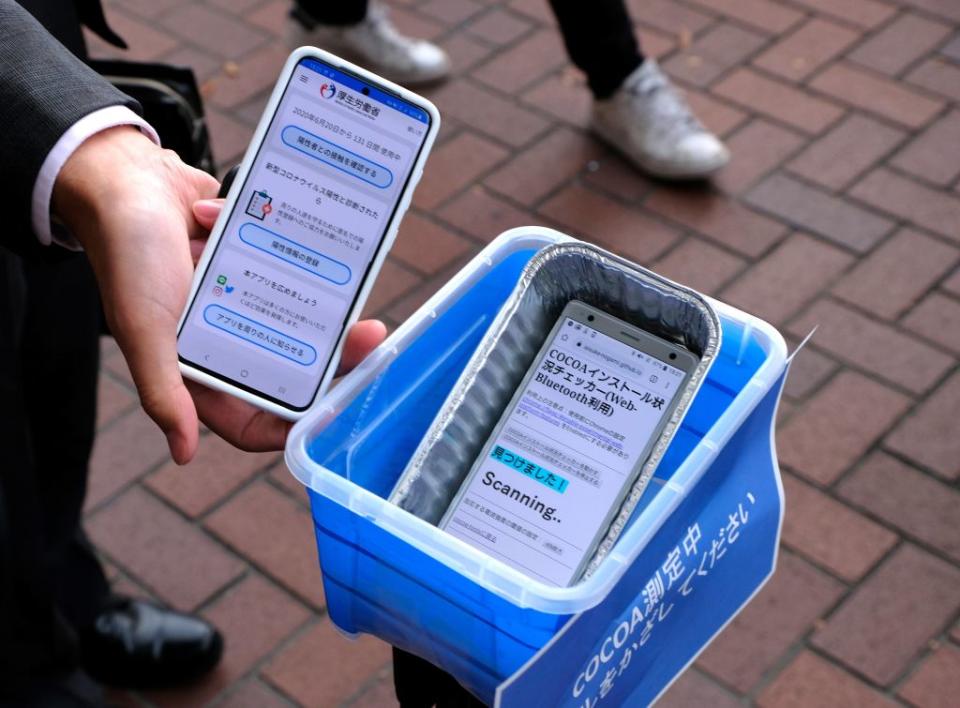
(391, 574)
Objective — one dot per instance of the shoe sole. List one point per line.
(299, 36)
(653, 168)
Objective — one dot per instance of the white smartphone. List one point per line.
(570, 444)
(307, 223)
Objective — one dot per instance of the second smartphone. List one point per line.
(570, 445)
(307, 224)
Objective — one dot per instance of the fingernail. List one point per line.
(177, 446)
(206, 209)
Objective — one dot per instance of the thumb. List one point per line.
(206, 211)
(362, 339)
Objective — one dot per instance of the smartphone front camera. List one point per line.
(673, 355)
(589, 318)
(365, 90)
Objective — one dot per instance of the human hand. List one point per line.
(245, 426)
(130, 205)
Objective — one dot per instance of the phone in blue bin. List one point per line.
(571, 443)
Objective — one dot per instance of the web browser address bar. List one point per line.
(612, 360)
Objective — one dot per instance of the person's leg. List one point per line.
(600, 41)
(40, 657)
(415, 680)
(361, 30)
(340, 12)
(61, 360)
(420, 684)
(636, 108)
(122, 641)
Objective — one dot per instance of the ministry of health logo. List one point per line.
(328, 90)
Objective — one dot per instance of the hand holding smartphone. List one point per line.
(307, 223)
(570, 444)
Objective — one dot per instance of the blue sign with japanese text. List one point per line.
(707, 561)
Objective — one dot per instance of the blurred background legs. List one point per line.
(361, 30)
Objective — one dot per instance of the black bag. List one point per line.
(171, 104)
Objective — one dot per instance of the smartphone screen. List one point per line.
(299, 242)
(573, 439)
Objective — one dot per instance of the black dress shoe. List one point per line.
(136, 644)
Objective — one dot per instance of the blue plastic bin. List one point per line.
(388, 573)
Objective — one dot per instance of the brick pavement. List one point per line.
(841, 208)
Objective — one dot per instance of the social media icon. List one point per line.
(229, 289)
(217, 291)
(222, 279)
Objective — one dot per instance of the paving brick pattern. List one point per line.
(841, 209)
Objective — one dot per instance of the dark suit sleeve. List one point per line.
(44, 89)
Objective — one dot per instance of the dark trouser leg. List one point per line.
(333, 12)
(47, 395)
(61, 358)
(420, 684)
(600, 41)
(34, 638)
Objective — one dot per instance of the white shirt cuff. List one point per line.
(90, 124)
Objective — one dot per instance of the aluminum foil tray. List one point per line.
(555, 275)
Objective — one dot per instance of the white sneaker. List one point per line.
(648, 120)
(376, 44)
